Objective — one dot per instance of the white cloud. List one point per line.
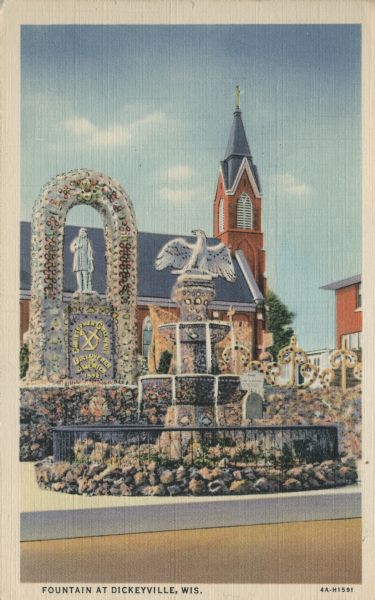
(286, 183)
(115, 135)
(118, 134)
(179, 195)
(80, 126)
(179, 172)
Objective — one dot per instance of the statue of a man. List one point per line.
(83, 261)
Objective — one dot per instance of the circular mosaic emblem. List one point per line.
(98, 408)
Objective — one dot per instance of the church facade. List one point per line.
(237, 221)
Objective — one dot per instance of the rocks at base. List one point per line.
(153, 490)
(155, 480)
(240, 486)
(180, 473)
(262, 484)
(292, 485)
(174, 490)
(167, 477)
(197, 487)
(217, 487)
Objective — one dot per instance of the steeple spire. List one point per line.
(237, 142)
(237, 148)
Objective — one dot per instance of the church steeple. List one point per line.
(238, 201)
(237, 149)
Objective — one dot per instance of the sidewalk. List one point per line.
(52, 515)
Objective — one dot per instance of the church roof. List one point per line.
(152, 284)
(237, 149)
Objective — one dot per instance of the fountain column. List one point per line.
(196, 367)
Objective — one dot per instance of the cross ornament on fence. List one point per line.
(299, 365)
(345, 359)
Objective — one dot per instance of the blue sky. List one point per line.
(152, 107)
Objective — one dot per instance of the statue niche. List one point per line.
(87, 337)
(83, 261)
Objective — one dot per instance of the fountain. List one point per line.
(198, 395)
(192, 417)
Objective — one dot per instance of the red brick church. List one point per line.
(237, 221)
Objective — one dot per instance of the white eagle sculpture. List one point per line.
(197, 258)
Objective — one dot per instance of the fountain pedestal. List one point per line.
(198, 393)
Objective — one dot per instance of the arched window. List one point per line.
(244, 212)
(221, 215)
(146, 336)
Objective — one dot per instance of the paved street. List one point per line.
(306, 552)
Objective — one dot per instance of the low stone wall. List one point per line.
(45, 407)
(287, 406)
(183, 480)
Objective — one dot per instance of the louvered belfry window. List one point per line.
(244, 212)
(221, 215)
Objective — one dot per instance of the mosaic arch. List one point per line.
(49, 312)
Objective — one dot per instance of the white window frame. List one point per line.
(221, 215)
(345, 340)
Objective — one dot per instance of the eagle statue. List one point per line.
(196, 258)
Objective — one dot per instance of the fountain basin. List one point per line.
(195, 344)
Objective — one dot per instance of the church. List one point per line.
(237, 222)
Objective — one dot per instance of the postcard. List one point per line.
(187, 318)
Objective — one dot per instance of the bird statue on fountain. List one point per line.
(196, 259)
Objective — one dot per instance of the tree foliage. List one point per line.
(279, 318)
(24, 360)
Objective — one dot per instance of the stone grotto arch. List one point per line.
(49, 313)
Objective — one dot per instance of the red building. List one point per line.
(348, 294)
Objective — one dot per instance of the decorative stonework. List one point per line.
(45, 407)
(91, 352)
(193, 295)
(48, 315)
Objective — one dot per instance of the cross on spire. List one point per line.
(237, 93)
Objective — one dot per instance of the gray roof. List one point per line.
(337, 285)
(237, 148)
(151, 283)
(237, 143)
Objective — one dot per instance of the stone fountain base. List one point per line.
(195, 400)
